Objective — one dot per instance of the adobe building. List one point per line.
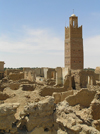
(73, 44)
(1, 69)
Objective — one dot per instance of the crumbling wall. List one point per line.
(16, 76)
(68, 82)
(3, 96)
(39, 114)
(59, 80)
(14, 86)
(69, 120)
(45, 73)
(49, 73)
(80, 78)
(1, 69)
(7, 117)
(46, 117)
(97, 70)
(82, 97)
(60, 96)
(30, 75)
(39, 72)
(65, 71)
(48, 90)
(28, 87)
(95, 107)
(8, 71)
(84, 77)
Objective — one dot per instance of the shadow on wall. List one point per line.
(73, 83)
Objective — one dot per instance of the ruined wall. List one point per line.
(49, 73)
(59, 80)
(77, 114)
(8, 71)
(30, 75)
(65, 72)
(7, 117)
(14, 86)
(48, 90)
(38, 71)
(60, 96)
(80, 78)
(16, 76)
(78, 98)
(1, 69)
(45, 73)
(2, 66)
(97, 71)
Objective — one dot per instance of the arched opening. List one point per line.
(73, 23)
(53, 74)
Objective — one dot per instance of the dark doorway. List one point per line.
(73, 83)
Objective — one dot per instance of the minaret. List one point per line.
(73, 44)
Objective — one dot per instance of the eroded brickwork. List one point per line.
(73, 44)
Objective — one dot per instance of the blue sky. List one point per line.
(32, 31)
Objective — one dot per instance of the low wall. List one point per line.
(48, 90)
(16, 76)
(58, 97)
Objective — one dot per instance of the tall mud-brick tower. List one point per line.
(73, 44)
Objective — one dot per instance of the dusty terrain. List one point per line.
(36, 108)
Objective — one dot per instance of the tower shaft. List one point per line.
(73, 44)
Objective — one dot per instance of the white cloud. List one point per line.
(32, 48)
(34, 41)
(92, 51)
(92, 45)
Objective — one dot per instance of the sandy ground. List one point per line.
(22, 97)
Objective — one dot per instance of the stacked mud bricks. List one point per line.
(73, 44)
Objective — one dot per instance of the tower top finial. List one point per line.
(73, 11)
(73, 15)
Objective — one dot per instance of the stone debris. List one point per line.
(7, 118)
(14, 86)
(62, 95)
(95, 107)
(83, 97)
(38, 114)
(3, 96)
(44, 116)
